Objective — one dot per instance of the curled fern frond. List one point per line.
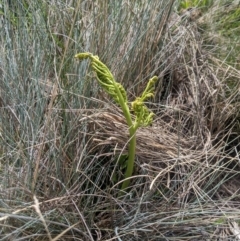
(144, 116)
(105, 78)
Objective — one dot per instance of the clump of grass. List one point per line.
(223, 31)
(60, 133)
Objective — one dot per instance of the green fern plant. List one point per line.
(142, 115)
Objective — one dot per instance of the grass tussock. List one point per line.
(62, 138)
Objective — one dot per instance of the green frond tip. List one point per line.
(105, 77)
(82, 56)
(144, 116)
(149, 90)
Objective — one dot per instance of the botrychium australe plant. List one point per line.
(142, 115)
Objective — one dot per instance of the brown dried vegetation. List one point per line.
(186, 179)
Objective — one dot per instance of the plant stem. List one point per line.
(132, 143)
(131, 157)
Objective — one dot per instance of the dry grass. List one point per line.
(186, 170)
(58, 177)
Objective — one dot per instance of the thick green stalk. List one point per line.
(131, 158)
(132, 143)
(132, 134)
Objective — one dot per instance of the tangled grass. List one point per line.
(61, 136)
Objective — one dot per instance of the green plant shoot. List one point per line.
(142, 115)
